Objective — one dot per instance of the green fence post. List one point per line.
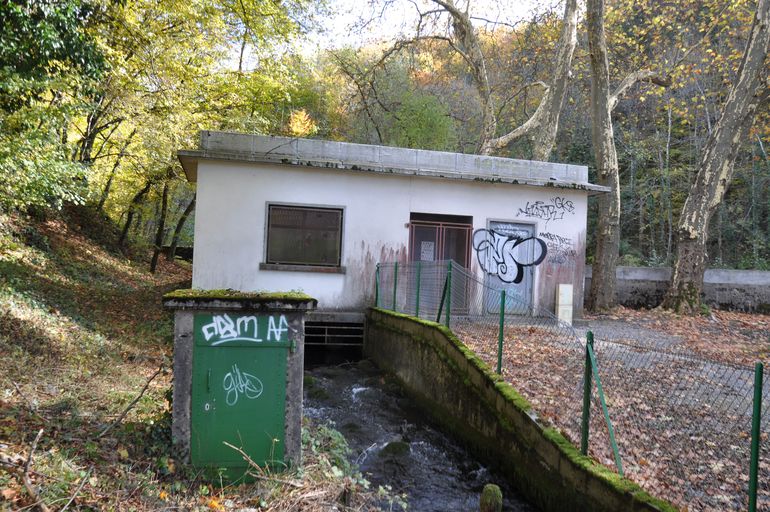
(395, 283)
(600, 391)
(587, 385)
(441, 303)
(448, 291)
(755, 424)
(500, 333)
(377, 287)
(417, 295)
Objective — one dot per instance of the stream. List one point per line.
(392, 443)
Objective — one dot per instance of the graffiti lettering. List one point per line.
(224, 329)
(275, 332)
(560, 249)
(495, 253)
(236, 384)
(548, 212)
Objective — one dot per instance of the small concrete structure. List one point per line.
(278, 213)
(737, 290)
(238, 327)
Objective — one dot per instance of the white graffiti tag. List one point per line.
(223, 329)
(548, 212)
(495, 253)
(237, 383)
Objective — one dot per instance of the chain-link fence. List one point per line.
(682, 423)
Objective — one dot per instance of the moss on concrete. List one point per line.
(503, 387)
(555, 437)
(491, 499)
(230, 294)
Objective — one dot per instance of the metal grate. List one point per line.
(334, 334)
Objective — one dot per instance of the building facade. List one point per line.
(280, 214)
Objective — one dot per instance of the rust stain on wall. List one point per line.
(358, 291)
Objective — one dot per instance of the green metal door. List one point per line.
(238, 390)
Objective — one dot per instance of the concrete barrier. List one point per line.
(737, 290)
(462, 394)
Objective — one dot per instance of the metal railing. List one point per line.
(688, 429)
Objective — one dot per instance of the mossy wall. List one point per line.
(463, 395)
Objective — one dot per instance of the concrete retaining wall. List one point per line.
(739, 290)
(462, 394)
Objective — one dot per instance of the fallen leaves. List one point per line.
(678, 390)
(9, 494)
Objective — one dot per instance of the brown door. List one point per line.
(434, 238)
(440, 237)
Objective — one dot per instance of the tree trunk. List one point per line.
(136, 201)
(108, 185)
(161, 228)
(179, 226)
(89, 136)
(668, 193)
(716, 167)
(601, 296)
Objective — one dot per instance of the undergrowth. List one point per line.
(81, 332)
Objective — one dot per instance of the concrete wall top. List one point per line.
(382, 159)
(711, 276)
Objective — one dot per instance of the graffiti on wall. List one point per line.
(554, 210)
(506, 256)
(224, 329)
(560, 249)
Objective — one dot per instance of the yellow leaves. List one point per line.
(301, 124)
(163, 495)
(215, 504)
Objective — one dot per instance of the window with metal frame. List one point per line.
(302, 235)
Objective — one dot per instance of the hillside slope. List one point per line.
(81, 331)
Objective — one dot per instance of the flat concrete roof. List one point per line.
(241, 147)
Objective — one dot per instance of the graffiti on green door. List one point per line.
(250, 328)
(237, 383)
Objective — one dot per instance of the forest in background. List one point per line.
(97, 96)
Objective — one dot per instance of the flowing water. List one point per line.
(393, 445)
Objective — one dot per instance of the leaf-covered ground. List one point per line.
(678, 389)
(81, 332)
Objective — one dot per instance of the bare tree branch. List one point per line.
(543, 124)
(77, 491)
(25, 476)
(131, 405)
(642, 75)
(30, 405)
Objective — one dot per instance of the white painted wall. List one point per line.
(231, 217)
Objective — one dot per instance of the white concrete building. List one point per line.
(279, 214)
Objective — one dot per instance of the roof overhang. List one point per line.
(245, 148)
